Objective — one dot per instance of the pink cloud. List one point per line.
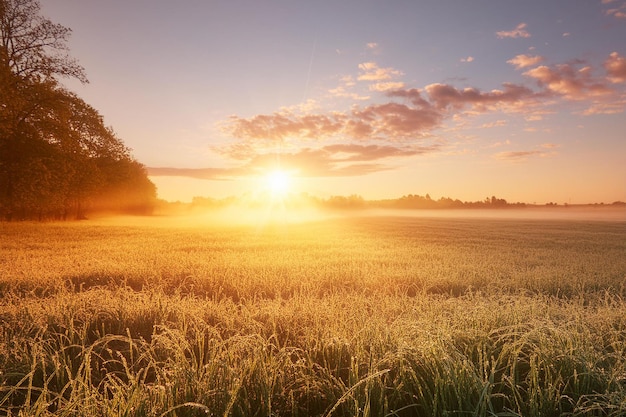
(446, 96)
(281, 125)
(425, 110)
(518, 32)
(615, 67)
(617, 12)
(394, 120)
(329, 143)
(568, 81)
(523, 61)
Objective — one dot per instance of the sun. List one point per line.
(278, 182)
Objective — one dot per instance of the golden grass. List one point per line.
(368, 316)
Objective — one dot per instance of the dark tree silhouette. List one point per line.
(57, 158)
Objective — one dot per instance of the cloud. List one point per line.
(372, 45)
(541, 151)
(549, 145)
(198, 173)
(370, 71)
(281, 125)
(386, 86)
(615, 67)
(566, 34)
(618, 12)
(315, 163)
(445, 96)
(328, 161)
(499, 144)
(568, 81)
(358, 139)
(391, 121)
(342, 90)
(360, 153)
(520, 156)
(523, 61)
(516, 155)
(612, 107)
(468, 59)
(518, 32)
(497, 123)
(388, 121)
(424, 110)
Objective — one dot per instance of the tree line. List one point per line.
(58, 160)
(354, 201)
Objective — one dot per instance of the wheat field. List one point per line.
(351, 316)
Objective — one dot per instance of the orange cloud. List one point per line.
(342, 90)
(542, 151)
(611, 107)
(549, 145)
(198, 173)
(520, 156)
(518, 32)
(517, 155)
(523, 61)
(372, 72)
(497, 123)
(615, 67)
(328, 161)
(387, 86)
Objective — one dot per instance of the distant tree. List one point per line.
(341, 202)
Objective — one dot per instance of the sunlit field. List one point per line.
(347, 316)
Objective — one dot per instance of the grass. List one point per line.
(370, 316)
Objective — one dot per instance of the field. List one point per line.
(363, 316)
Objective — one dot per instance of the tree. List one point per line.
(56, 155)
(33, 47)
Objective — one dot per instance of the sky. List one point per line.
(524, 100)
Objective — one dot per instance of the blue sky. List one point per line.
(523, 100)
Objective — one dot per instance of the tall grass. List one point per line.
(375, 317)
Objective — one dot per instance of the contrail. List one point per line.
(308, 76)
